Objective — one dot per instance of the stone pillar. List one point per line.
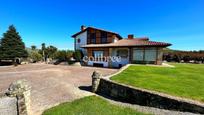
(95, 80)
(21, 90)
(159, 56)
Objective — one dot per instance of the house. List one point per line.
(95, 43)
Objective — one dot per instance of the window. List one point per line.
(147, 54)
(93, 38)
(78, 40)
(98, 54)
(138, 54)
(123, 53)
(103, 37)
(150, 54)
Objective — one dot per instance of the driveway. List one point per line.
(51, 84)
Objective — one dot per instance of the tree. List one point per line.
(50, 51)
(35, 56)
(70, 54)
(33, 47)
(43, 51)
(78, 55)
(47, 52)
(63, 55)
(11, 45)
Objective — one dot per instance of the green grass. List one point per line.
(185, 80)
(92, 105)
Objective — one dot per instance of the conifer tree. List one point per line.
(11, 45)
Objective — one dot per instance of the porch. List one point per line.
(125, 55)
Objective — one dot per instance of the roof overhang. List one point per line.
(115, 46)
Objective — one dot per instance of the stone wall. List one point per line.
(16, 100)
(146, 98)
(8, 105)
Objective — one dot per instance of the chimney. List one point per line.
(83, 27)
(115, 39)
(130, 36)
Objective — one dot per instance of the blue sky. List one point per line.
(180, 22)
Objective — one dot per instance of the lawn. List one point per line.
(185, 80)
(91, 105)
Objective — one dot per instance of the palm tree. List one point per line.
(43, 51)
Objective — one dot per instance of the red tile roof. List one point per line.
(130, 43)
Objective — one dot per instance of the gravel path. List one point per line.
(51, 84)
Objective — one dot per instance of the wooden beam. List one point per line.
(110, 54)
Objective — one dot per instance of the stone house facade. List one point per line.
(95, 42)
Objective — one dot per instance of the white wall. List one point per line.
(83, 41)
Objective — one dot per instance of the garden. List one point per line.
(183, 80)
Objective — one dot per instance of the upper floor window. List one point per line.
(78, 40)
(103, 37)
(93, 38)
(98, 54)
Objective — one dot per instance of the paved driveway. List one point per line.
(51, 84)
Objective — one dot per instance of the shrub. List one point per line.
(63, 55)
(35, 56)
(78, 55)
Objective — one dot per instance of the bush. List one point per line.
(35, 56)
(63, 55)
(78, 55)
(70, 54)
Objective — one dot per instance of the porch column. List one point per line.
(110, 54)
(159, 56)
(74, 44)
(130, 54)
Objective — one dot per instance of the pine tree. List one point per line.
(11, 45)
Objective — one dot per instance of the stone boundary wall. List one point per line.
(144, 97)
(8, 105)
(16, 100)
